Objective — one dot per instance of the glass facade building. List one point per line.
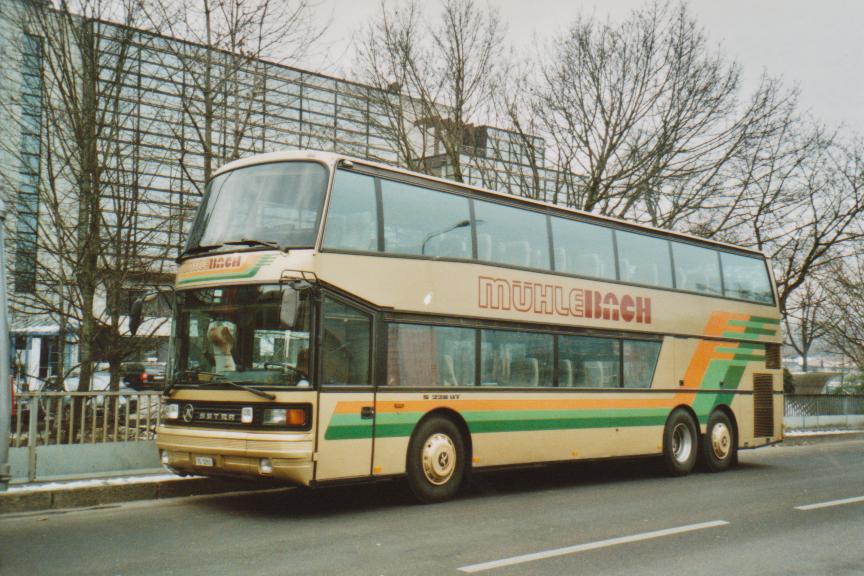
(171, 112)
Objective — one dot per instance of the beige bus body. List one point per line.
(699, 355)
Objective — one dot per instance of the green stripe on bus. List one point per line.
(742, 335)
(347, 427)
(749, 357)
(751, 346)
(764, 320)
(750, 324)
(744, 352)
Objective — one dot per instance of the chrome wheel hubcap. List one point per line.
(439, 459)
(721, 440)
(682, 442)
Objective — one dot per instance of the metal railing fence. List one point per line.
(824, 404)
(66, 418)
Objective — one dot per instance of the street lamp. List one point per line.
(431, 235)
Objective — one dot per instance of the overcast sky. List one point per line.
(816, 44)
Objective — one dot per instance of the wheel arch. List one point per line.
(460, 423)
(689, 410)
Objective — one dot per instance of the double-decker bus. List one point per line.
(338, 319)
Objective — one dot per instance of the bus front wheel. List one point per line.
(680, 443)
(719, 445)
(436, 460)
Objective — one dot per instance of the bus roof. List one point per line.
(332, 159)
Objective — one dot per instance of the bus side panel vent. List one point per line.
(772, 356)
(763, 405)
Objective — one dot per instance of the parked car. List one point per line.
(100, 381)
(143, 375)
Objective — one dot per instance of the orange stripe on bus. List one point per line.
(494, 405)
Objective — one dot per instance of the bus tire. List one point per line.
(719, 445)
(436, 460)
(680, 443)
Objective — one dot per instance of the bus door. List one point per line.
(346, 398)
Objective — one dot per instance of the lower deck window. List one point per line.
(640, 360)
(518, 359)
(587, 362)
(422, 356)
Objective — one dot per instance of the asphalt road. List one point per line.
(598, 519)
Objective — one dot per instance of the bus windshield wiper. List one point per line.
(190, 373)
(220, 379)
(200, 248)
(251, 242)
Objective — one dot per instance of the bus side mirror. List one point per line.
(291, 301)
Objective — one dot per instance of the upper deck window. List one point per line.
(583, 249)
(697, 269)
(277, 203)
(425, 222)
(508, 235)
(644, 259)
(374, 214)
(352, 219)
(746, 278)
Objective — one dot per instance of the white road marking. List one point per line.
(831, 503)
(591, 546)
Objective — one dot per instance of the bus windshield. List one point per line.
(256, 335)
(277, 204)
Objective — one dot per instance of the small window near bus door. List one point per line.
(345, 345)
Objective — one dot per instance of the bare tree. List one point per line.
(217, 48)
(805, 208)
(647, 113)
(651, 123)
(844, 323)
(804, 321)
(431, 83)
(84, 237)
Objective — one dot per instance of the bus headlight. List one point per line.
(284, 417)
(171, 411)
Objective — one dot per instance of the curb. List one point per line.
(814, 438)
(90, 496)
(22, 501)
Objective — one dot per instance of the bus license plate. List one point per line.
(203, 461)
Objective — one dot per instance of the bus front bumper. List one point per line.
(282, 456)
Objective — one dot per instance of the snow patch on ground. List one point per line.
(829, 432)
(94, 482)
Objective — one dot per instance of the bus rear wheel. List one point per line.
(680, 443)
(436, 460)
(719, 445)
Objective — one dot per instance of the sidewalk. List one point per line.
(105, 491)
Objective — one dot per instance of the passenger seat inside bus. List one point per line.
(565, 374)
(525, 372)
